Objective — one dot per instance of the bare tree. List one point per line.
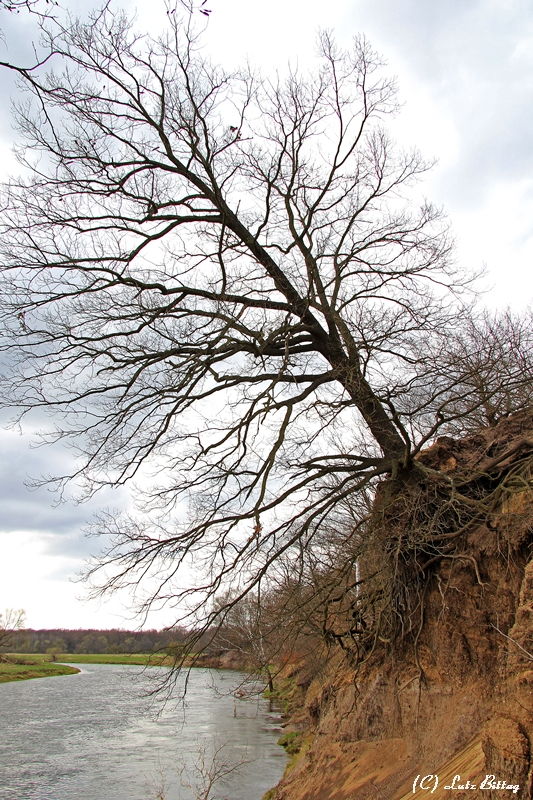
(213, 770)
(221, 278)
(11, 621)
(251, 627)
(483, 372)
(33, 6)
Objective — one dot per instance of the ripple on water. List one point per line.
(91, 737)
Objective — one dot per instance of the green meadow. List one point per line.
(105, 658)
(13, 671)
(20, 666)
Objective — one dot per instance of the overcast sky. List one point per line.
(465, 72)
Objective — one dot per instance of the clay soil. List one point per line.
(464, 705)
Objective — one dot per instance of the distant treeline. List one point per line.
(63, 640)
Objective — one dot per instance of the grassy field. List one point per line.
(41, 669)
(97, 658)
(22, 666)
(33, 658)
(40, 665)
(93, 658)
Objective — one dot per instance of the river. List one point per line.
(93, 736)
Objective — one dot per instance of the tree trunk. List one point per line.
(381, 426)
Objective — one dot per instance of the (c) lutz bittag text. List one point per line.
(429, 783)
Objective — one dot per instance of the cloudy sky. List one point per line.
(465, 72)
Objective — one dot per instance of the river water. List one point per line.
(93, 736)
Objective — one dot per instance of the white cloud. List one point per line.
(32, 579)
(508, 207)
(45, 583)
(466, 74)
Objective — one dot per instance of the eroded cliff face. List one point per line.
(460, 703)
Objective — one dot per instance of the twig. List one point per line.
(529, 655)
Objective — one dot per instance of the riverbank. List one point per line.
(227, 659)
(17, 671)
(19, 666)
(140, 659)
(455, 699)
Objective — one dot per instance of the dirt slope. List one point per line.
(463, 705)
